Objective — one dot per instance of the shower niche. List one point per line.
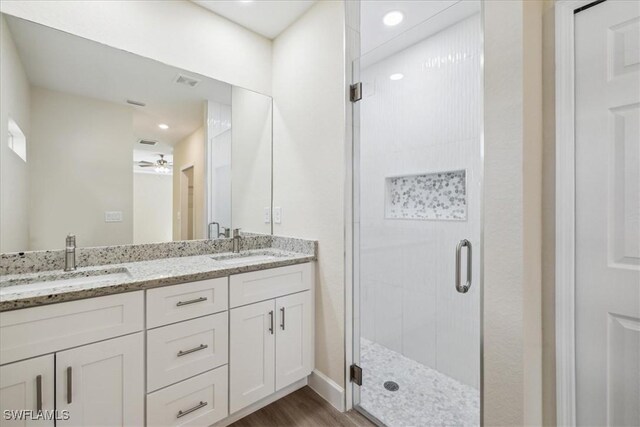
(427, 196)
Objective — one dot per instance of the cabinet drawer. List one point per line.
(198, 401)
(28, 385)
(181, 302)
(262, 285)
(39, 330)
(185, 349)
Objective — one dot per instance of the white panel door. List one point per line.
(294, 338)
(102, 384)
(251, 354)
(607, 42)
(27, 385)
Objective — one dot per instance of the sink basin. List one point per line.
(55, 280)
(248, 257)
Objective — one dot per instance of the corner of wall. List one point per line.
(532, 209)
(548, 216)
(309, 161)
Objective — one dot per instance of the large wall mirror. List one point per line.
(121, 149)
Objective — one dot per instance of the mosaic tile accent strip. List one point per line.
(439, 196)
(425, 397)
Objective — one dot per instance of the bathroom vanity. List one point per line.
(144, 352)
(156, 317)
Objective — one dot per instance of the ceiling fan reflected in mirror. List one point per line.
(160, 166)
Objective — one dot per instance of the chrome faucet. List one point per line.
(236, 240)
(70, 253)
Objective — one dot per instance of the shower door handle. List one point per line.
(459, 287)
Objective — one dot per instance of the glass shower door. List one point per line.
(418, 171)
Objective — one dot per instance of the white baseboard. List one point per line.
(262, 403)
(327, 389)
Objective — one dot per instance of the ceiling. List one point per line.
(421, 19)
(265, 17)
(59, 61)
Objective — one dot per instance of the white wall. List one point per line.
(427, 122)
(309, 160)
(251, 115)
(152, 208)
(14, 178)
(79, 167)
(190, 152)
(512, 108)
(177, 32)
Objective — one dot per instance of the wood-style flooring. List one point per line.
(302, 408)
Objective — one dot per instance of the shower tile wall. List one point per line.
(426, 122)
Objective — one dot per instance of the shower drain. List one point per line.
(391, 385)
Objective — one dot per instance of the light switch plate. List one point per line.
(113, 216)
(267, 215)
(277, 215)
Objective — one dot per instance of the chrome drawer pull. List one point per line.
(192, 301)
(188, 411)
(185, 352)
(69, 384)
(39, 393)
(282, 323)
(271, 322)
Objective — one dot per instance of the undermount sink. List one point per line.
(54, 280)
(247, 257)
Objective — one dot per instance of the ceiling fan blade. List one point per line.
(147, 166)
(144, 162)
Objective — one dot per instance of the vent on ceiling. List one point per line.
(137, 103)
(187, 81)
(147, 142)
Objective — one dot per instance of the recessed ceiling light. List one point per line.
(163, 126)
(396, 76)
(393, 18)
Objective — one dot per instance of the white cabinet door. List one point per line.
(294, 338)
(102, 384)
(252, 354)
(27, 386)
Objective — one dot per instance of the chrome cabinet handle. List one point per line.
(192, 350)
(463, 289)
(282, 323)
(39, 393)
(190, 410)
(271, 322)
(69, 384)
(192, 301)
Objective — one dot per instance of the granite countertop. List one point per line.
(48, 287)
